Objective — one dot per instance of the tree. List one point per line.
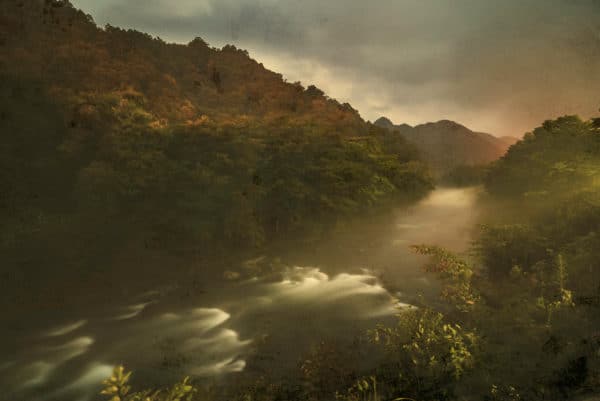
(428, 356)
(118, 389)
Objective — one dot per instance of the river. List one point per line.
(244, 322)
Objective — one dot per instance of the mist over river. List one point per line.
(242, 322)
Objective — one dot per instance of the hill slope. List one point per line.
(180, 82)
(446, 144)
(117, 149)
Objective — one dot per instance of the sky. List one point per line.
(497, 66)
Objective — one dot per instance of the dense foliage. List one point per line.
(118, 149)
(554, 162)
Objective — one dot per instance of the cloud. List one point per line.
(501, 66)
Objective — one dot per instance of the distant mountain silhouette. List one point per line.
(385, 122)
(446, 144)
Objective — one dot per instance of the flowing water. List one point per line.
(249, 323)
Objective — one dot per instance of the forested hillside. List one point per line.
(117, 146)
(188, 84)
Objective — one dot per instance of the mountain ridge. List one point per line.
(447, 144)
(191, 83)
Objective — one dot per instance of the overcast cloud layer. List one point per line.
(500, 66)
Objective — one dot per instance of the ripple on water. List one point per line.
(207, 338)
(65, 329)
